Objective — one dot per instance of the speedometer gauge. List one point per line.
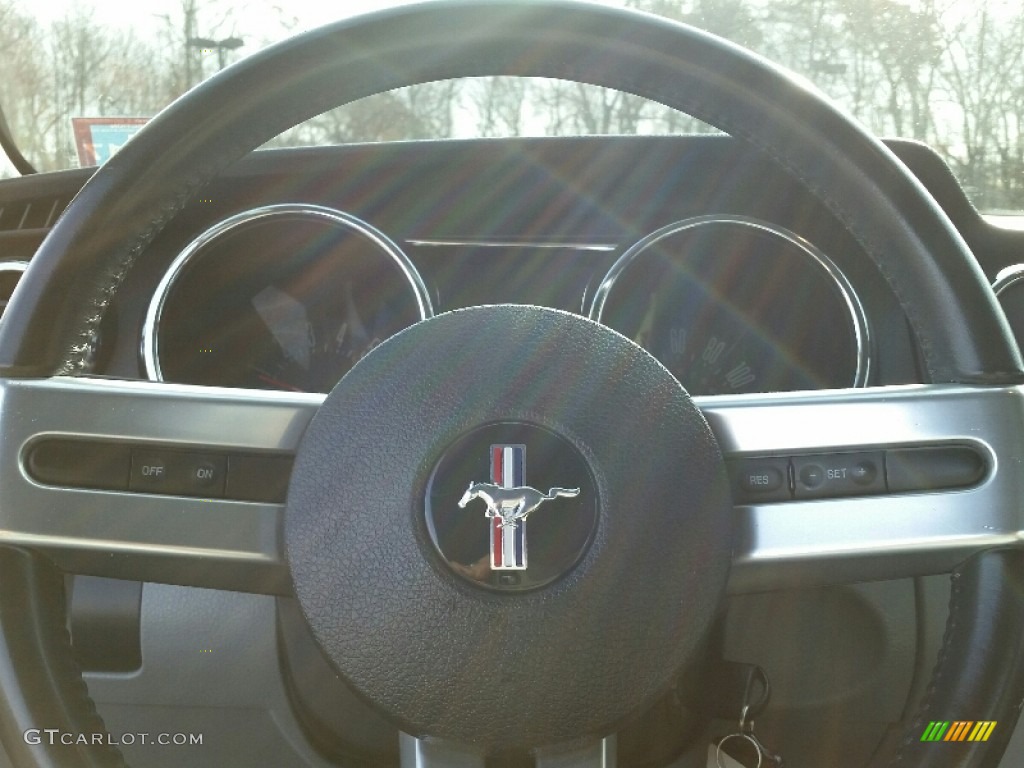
(284, 297)
(731, 304)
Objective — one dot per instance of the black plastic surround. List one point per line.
(909, 469)
(159, 469)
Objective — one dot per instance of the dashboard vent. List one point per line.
(40, 213)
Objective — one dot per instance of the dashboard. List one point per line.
(291, 296)
(284, 272)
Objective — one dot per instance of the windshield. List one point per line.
(76, 79)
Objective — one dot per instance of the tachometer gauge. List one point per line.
(286, 297)
(731, 305)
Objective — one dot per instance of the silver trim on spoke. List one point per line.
(233, 544)
(181, 540)
(340, 219)
(850, 298)
(842, 540)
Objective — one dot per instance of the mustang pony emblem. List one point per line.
(510, 505)
(509, 502)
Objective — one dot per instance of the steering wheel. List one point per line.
(574, 655)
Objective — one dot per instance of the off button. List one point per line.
(149, 472)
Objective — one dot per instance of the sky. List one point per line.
(312, 12)
(146, 13)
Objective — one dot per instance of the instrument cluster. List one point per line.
(285, 297)
(290, 297)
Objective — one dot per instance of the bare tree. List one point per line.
(982, 77)
(904, 44)
(24, 80)
(500, 105)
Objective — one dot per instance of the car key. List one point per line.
(750, 751)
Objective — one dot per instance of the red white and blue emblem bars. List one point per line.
(508, 539)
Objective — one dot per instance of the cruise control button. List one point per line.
(178, 473)
(203, 475)
(812, 476)
(864, 473)
(760, 479)
(149, 472)
(838, 474)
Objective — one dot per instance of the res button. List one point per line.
(760, 479)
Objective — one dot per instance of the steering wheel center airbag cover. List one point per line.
(570, 659)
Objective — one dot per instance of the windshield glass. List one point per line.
(76, 78)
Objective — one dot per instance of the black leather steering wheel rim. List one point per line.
(124, 206)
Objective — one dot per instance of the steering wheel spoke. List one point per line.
(148, 492)
(441, 753)
(599, 753)
(435, 753)
(844, 533)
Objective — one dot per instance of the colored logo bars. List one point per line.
(959, 730)
(508, 539)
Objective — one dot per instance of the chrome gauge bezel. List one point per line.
(812, 253)
(1007, 277)
(340, 219)
(13, 266)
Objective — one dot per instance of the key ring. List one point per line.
(741, 735)
(746, 732)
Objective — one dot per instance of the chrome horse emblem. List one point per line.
(509, 503)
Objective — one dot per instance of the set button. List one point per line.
(838, 474)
